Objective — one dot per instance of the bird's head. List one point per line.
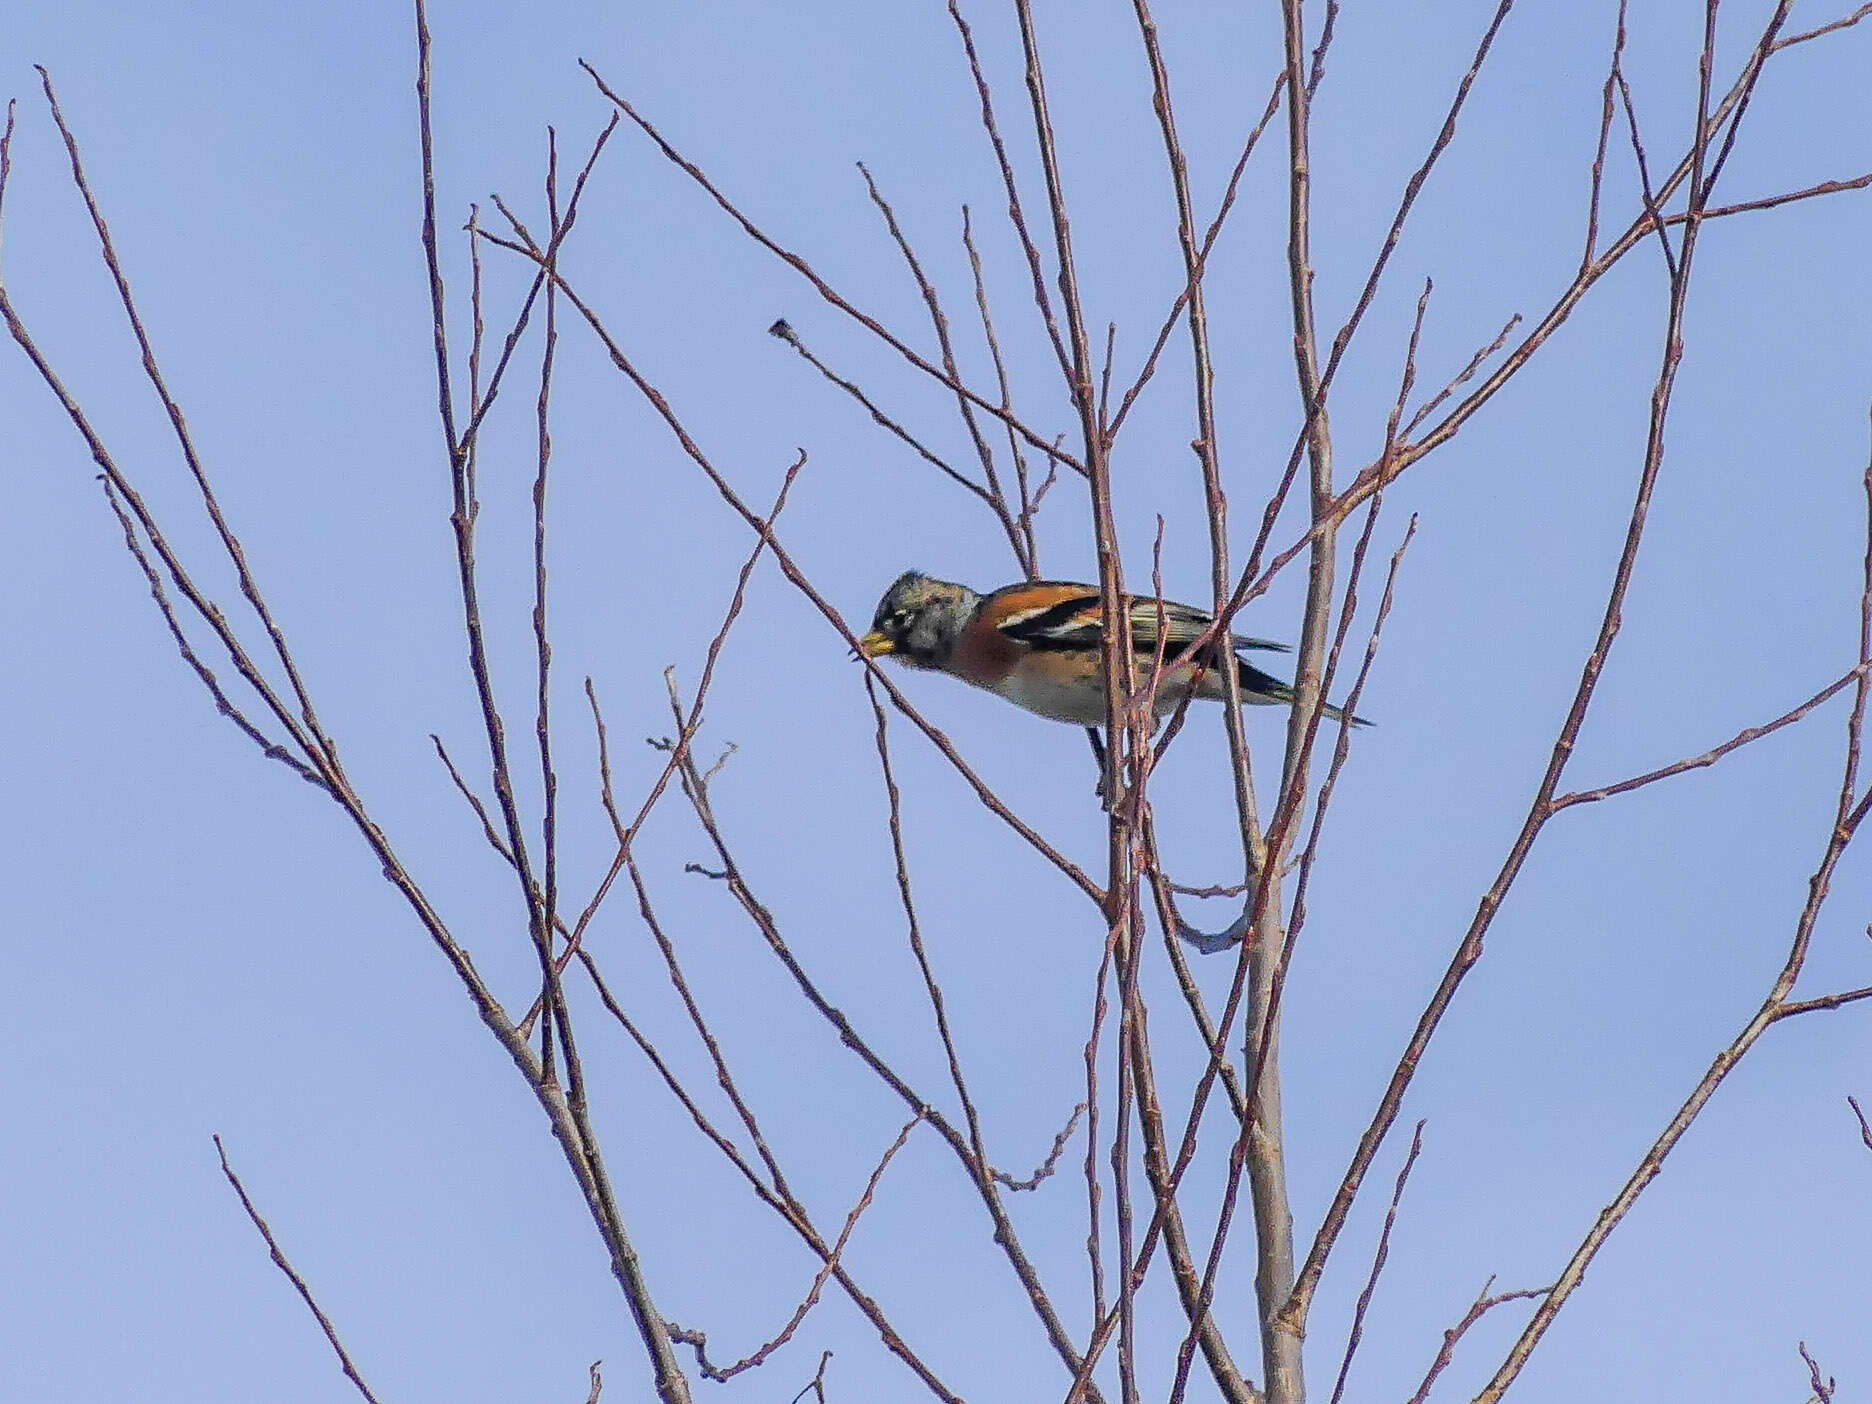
(919, 619)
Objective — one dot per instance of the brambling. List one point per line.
(1037, 643)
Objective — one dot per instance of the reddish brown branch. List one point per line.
(1029, 499)
(1017, 217)
(292, 1275)
(1210, 236)
(1482, 1306)
(1776, 1005)
(159, 593)
(1469, 951)
(696, 791)
(679, 751)
(721, 1374)
(797, 577)
(783, 330)
(185, 441)
(1378, 1261)
(805, 270)
(816, 1385)
(996, 496)
(1711, 756)
(774, 1191)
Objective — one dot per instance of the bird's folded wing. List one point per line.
(1051, 615)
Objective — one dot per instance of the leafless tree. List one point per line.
(1140, 1125)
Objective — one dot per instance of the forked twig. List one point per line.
(1823, 1386)
(721, 1374)
(1480, 1308)
(1714, 754)
(801, 266)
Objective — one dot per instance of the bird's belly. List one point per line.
(1080, 701)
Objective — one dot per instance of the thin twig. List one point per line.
(1644, 172)
(1044, 1171)
(1711, 756)
(783, 331)
(1378, 1261)
(1208, 245)
(1029, 502)
(292, 1276)
(1017, 217)
(932, 989)
(777, 1195)
(185, 441)
(695, 790)
(158, 592)
(1482, 1306)
(816, 1385)
(679, 751)
(550, 994)
(1845, 22)
(1823, 1386)
(1540, 810)
(797, 577)
(805, 270)
(996, 496)
(721, 1374)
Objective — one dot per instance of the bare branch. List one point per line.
(1822, 1002)
(799, 265)
(1029, 500)
(292, 1276)
(1378, 1262)
(185, 441)
(1599, 153)
(1847, 818)
(996, 497)
(1823, 1387)
(816, 1385)
(1045, 1169)
(679, 751)
(799, 580)
(721, 1374)
(158, 592)
(1711, 756)
(695, 789)
(1017, 217)
(783, 329)
(1208, 245)
(1317, 74)
(1469, 951)
(1482, 1306)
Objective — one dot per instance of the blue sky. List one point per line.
(195, 943)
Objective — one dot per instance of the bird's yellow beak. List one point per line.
(876, 645)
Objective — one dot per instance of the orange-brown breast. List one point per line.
(984, 655)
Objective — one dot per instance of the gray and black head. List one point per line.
(919, 620)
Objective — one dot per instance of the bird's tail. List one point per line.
(1265, 689)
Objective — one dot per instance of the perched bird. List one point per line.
(1037, 643)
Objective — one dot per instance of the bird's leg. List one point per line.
(1098, 756)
